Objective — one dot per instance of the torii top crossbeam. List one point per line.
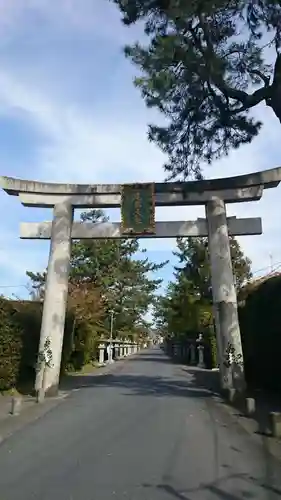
(248, 187)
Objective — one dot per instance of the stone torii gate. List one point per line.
(213, 194)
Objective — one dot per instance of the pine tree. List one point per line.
(109, 272)
(205, 67)
(186, 309)
(193, 257)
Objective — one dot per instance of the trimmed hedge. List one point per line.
(20, 324)
(10, 346)
(260, 325)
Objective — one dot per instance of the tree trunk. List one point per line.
(274, 100)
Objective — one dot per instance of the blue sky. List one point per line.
(69, 112)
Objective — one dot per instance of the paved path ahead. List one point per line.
(145, 432)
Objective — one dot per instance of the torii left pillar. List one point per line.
(56, 292)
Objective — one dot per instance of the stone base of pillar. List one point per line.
(40, 396)
(235, 397)
(51, 392)
(229, 326)
(201, 365)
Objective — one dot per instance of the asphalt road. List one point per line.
(145, 432)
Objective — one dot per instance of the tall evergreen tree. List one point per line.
(205, 67)
(193, 258)
(111, 271)
(186, 308)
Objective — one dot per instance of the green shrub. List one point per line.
(10, 346)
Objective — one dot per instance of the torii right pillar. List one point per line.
(229, 345)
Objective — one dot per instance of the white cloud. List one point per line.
(64, 15)
(82, 148)
(108, 143)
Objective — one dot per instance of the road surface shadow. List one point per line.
(230, 487)
(192, 380)
(203, 378)
(157, 357)
(265, 403)
(141, 385)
